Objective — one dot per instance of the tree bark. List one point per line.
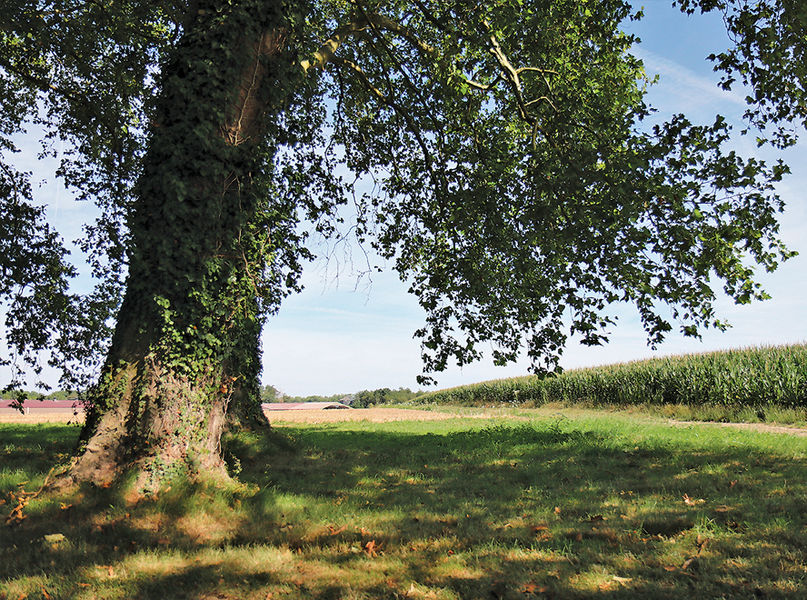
(185, 344)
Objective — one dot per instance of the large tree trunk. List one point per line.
(185, 345)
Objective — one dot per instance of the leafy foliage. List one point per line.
(81, 72)
(768, 57)
(517, 188)
(269, 393)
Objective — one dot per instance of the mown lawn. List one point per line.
(589, 507)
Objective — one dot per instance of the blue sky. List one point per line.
(345, 333)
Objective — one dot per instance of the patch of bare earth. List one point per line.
(373, 415)
(41, 416)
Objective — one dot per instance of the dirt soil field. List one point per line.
(43, 416)
(373, 415)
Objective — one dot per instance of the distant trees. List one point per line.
(366, 398)
(362, 399)
(270, 393)
(28, 395)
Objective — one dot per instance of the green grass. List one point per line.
(752, 384)
(592, 506)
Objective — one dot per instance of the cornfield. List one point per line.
(774, 376)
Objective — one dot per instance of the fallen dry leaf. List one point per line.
(45, 594)
(690, 564)
(557, 510)
(371, 548)
(534, 588)
(619, 579)
(336, 531)
(692, 501)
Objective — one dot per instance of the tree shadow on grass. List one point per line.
(502, 512)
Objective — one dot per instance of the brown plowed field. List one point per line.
(373, 415)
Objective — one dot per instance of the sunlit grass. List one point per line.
(592, 506)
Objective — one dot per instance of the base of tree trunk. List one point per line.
(159, 426)
(245, 412)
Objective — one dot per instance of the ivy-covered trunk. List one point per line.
(185, 345)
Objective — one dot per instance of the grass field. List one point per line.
(597, 505)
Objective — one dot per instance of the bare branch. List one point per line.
(357, 70)
(512, 76)
(328, 49)
(326, 52)
(541, 99)
(42, 84)
(520, 70)
(481, 86)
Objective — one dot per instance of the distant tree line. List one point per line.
(269, 393)
(28, 395)
(361, 399)
(367, 398)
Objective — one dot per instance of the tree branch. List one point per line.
(384, 99)
(512, 76)
(328, 49)
(42, 84)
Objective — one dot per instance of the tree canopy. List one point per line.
(519, 186)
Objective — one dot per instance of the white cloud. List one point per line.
(680, 89)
